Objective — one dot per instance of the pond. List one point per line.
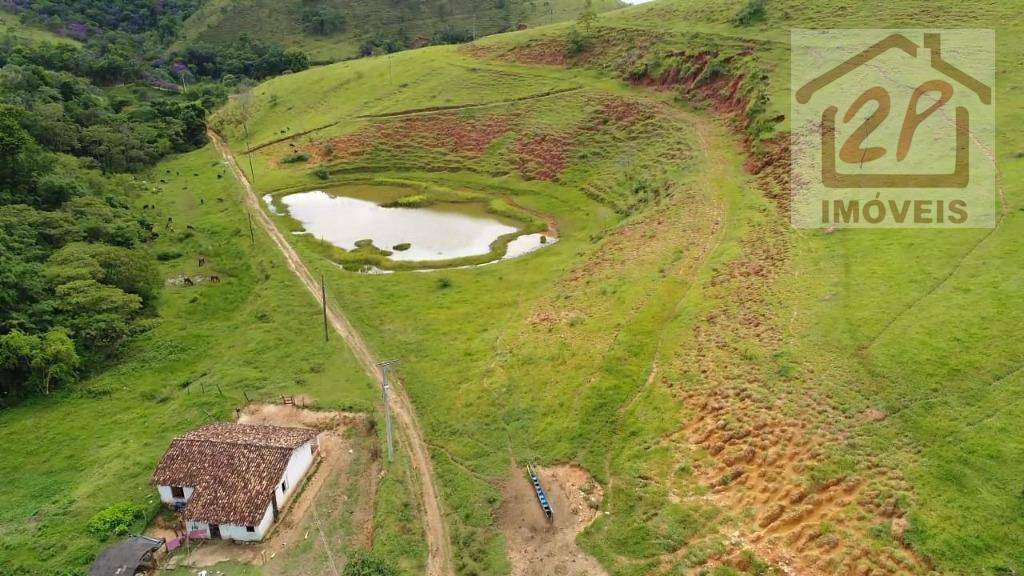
(441, 231)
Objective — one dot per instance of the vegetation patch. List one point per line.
(412, 201)
(451, 132)
(542, 156)
(295, 158)
(116, 520)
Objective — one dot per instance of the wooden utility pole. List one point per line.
(248, 152)
(323, 300)
(252, 235)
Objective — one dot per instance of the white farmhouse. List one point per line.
(232, 480)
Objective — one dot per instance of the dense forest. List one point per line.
(76, 119)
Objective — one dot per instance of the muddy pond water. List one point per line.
(342, 216)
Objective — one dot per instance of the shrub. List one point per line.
(321, 173)
(576, 42)
(295, 158)
(368, 564)
(451, 35)
(413, 201)
(402, 247)
(166, 255)
(752, 12)
(115, 520)
(444, 282)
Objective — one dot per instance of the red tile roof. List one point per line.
(234, 469)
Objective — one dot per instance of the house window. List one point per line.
(250, 528)
(284, 485)
(177, 492)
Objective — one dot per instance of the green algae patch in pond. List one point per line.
(363, 220)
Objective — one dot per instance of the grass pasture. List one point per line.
(494, 356)
(896, 451)
(844, 402)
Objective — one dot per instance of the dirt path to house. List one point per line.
(439, 557)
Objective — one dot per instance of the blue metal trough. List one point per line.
(542, 496)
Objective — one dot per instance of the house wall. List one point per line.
(236, 532)
(299, 463)
(192, 526)
(166, 498)
(239, 533)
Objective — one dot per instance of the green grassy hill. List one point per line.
(750, 396)
(282, 21)
(845, 399)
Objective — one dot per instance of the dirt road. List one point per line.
(439, 558)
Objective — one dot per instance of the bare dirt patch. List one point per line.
(313, 514)
(766, 443)
(546, 52)
(537, 547)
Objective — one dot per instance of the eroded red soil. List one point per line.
(542, 156)
(451, 132)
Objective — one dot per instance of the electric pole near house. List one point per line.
(323, 302)
(385, 366)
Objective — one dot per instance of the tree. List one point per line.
(54, 189)
(99, 316)
(44, 362)
(129, 270)
(588, 17)
(322, 21)
(16, 352)
(56, 361)
(20, 158)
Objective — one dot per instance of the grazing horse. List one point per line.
(188, 282)
(214, 278)
(202, 260)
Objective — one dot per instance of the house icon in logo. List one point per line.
(946, 79)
